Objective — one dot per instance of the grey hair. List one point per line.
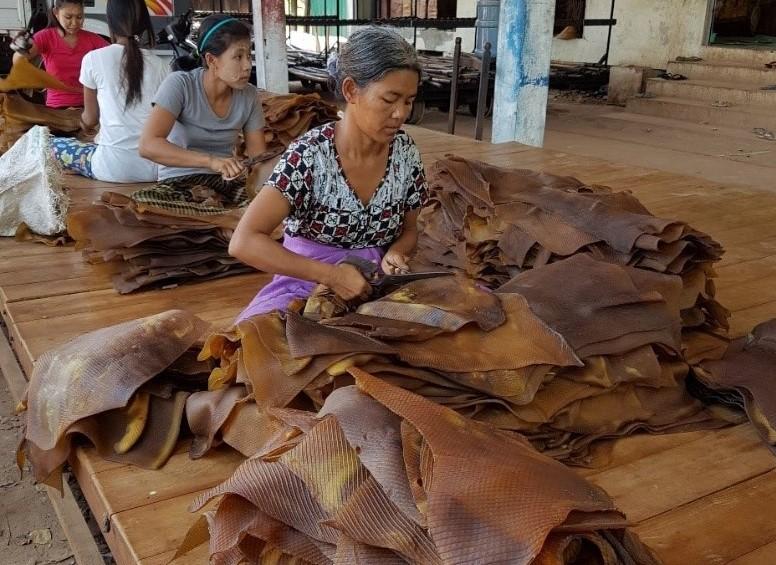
(370, 54)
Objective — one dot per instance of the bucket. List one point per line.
(486, 26)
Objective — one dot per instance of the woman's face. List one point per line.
(234, 65)
(380, 108)
(70, 17)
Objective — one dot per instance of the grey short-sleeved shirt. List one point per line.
(199, 128)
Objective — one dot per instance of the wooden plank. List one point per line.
(77, 269)
(9, 367)
(18, 345)
(197, 556)
(88, 458)
(11, 249)
(747, 294)
(30, 291)
(718, 528)
(760, 556)
(111, 488)
(753, 250)
(55, 261)
(155, 528)
(65, 506)
(651, 485)
(230, 290)
(70, 327)
(728, 215)
(479, 152)
(745, 319)
(745, 234)
(651, 478)
(632, 448)
(74, 525)
(47, 322)
(128, 487)
(746, 271)
(92, 491)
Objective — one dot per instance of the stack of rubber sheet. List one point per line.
(18, 115)
(566, 354)
(290, 115)
(151, 246)
(123, 387)
(173, 233)
(383, 476)
(378, 475)
(493, 223)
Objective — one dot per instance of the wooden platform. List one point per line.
(696, 498)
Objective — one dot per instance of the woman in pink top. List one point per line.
(62, 45)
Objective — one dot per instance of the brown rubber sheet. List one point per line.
(385, 476)
(493, 223)
(89, 380)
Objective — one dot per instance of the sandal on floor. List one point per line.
(672, 76)
(763, 133)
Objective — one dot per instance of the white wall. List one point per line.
(9, 19)
(14, 14)
(648, 33)
(444, 40)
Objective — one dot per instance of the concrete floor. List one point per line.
(721, 154)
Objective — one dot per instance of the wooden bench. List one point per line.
(702, 497)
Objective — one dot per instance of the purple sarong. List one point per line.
(282, 290)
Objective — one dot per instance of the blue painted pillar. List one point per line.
(523, 70)
(269, 30)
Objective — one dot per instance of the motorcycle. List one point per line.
(178, 36)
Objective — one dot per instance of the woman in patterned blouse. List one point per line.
(352, 187)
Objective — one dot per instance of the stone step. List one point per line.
(734, 93)
(724, 71)
(744, 56)
(702, 112)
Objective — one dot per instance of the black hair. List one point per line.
(38, 21)
(130, 19)
(370, 54)
(222, 38)
(56, 5)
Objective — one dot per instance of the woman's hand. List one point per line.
(395, 263)
(87, 130)
(22, 43)
(347, 282)
(228, 167)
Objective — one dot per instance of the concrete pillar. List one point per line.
(269, 28)
(523, 70)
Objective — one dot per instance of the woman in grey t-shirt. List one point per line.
(197, 118)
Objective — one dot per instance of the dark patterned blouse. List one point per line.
(325, 208)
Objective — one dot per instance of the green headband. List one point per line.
(211, 31)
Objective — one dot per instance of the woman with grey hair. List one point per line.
(352, 187)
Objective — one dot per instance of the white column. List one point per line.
(523, 70)
(269, 28)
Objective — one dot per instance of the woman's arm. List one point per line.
(31, 53)
(251, 243)
(90, 117)
(395, 259)
(155, 147)
(255, 143)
